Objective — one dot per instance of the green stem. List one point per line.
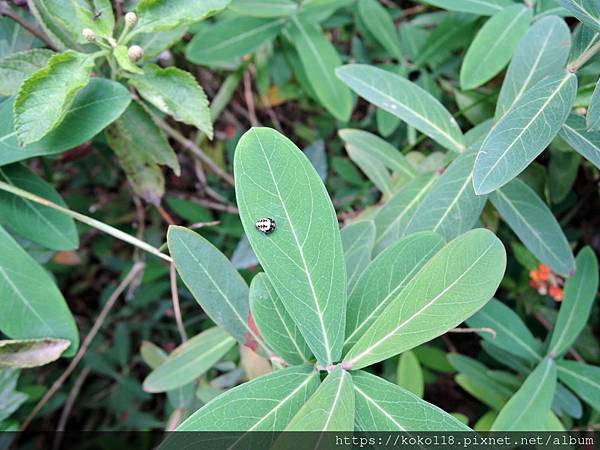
(584, 57)
(114, 232)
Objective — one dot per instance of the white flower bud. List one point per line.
(88, 34)
(130, 19)
(135, 53)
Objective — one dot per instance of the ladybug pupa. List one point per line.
(265, 225)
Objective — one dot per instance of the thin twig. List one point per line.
(474, 330)
(249, 97)
(176, 307)
(62, 422)
(137, 267)
(7, 11)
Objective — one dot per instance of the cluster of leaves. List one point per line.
(419, 256)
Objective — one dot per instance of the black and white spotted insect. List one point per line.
(265, 225)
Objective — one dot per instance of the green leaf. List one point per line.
(303, 257)
(528, 408)
(320, 60)
(330, 408)
(473, 265)
(40, 224)
(535, 225)
(267, 403)
(60, 22)
(357, 241)
(410, 374)
(380, 24)
(480, 7)
(10, 398)
(587, 11)
(45, 97)
(582, 379)
(584, 142)
(155, 43)
(393, 217)
(189, 361)
(542, 51)
(264, 8)
(511, 334)
(384, 152)
(97, 105)
(405, 100)
(494, 45)
(275, 324)
(29, 353)
(592, 119)
(524, 131)
(384, 406)
(33, 307)
(385, 278)
(120, 52)
(96, 15)
(372, 167)
(14, 38)
(228, 40)
(165, 15)
(580, 292)
(217, 287)
(583, 39)
(451, 207)
(175, 92)
(15, 68)
(562, 173)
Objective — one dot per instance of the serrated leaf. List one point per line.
(584, 142)
(15, 68)
(264, 8)
(33, 307)
(228, 40)
(275, 324)
(165, 15)
(45, 97)
(274, 179)
(473, 265)
(392, 219)
(39, 224)
(494, 45)
(524, 131)
(587, 11)
(528, 408)
(535, 225)
(451, 207)
(330, 408)
(212, 280)
(60, 22)
(267, 403)
(511, 334)
(579, 294)
(583, 379)
(120, 52)
(175, 92)
(409, 374)
(95, 106)
(384, 406)
(480, 7)
(27, 353)
(380, 24)
(357, 241)
(405, 100)
(542, 51)
(385, 278)
(96, 15)
(320, 60)
(189, 361)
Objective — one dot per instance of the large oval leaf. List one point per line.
(542, 51)
(385, 406)
(275, 324)
(534, 223)
(586, 143)
(473, 265)
(16, 68)
(580, 293)
(190, 360)
(357, 241)
(164, 15)
(587, 11)
(493, 45)
(303, 257)
(97, 105)
(42, 225)
(384, 280)
(524, 131)
(32, 305)
(405, 100)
